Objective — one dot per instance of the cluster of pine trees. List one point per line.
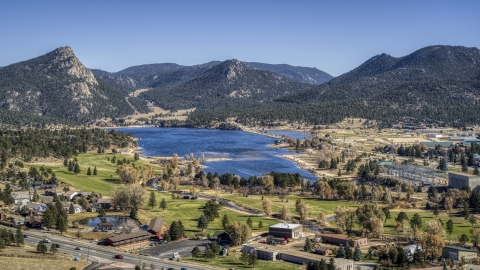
(55, 216)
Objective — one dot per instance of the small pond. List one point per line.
(93, 222)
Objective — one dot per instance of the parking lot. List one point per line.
(183, 247)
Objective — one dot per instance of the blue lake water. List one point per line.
(93, 222)
(249, 153)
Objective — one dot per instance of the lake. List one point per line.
(93, 222)
(248, 154)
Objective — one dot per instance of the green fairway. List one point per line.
(188, 211)
(229, 262)
(106, 177)
(316, 205)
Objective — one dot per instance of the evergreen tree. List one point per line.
(331, 264)
(152, 201)
(260, 224)
(466, 211)
(41, 247)
(76, 168)
(244, 256)
(435, 210)
(70, 166)
(418, 256)
(308, 245)
(476, 171)
(449, 228)
(53, 248)
(35, 198)
(136, 157)
(89, 171)
(416, 221)
(19, 237)
(252, 259)
(225, 221)
(195, 252)
(71, 209)
(163, 204)
(216, 247)
(65, 162)
(249, 222)
(202, 222)
(357, 253)
(348, 252)
(95, 170)
(101, 212)
(2, 243)
(133, 213)
(340, 252)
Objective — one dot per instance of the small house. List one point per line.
(33, 222)
(156, 227)
(410, 249)
(21, 197)
(222, 237)
(187, 196)
(105, 225)
(105, 203)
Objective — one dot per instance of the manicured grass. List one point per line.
(461, 226)
(228, 262)
(106, 177)
(188, 211)
(317, 205)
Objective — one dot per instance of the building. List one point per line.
(342, 239)
(128, 239)
(456, 253)
(222, 237)
(21, 197)
(33, 222)
(284, 230)
(435, 135)
(156, 227)
(323, 251)
(264, 252)
(305, 257)
(105, 203)
(105, 225)
(459, 180)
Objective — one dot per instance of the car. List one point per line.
(183, 268)
(46, 240)
(57, 245)
(78, 248)
(25, 236)
(118, 256)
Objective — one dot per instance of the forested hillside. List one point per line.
(57, 86)
(299, 74)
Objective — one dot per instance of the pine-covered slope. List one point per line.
(299, 74)
(57, 85)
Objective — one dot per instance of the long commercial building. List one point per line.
(128, 239)
(284, 230)
(460, 180)
(342, 239)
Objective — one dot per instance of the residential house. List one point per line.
(105, 225)
(69, 195)
(37, 184)
(323, 251)
(78, 208)
(105, 203)
(222, 237)
(33, 222)
(54, 191)
(21, 197)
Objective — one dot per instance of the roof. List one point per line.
(129, 236)
(460, 249)
(104, 200)
(464, 174)
(316, 257)
(217, 233)
(155, 225)
(285, 226)
(323, 248)
(433, 144)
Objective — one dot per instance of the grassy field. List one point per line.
(106, 178)
(229, 262)
(461, 226)
(26, 257)
(255, 202)
(188, 211)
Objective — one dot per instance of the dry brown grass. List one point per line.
(26, 257)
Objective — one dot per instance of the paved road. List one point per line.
(102, 254)
(183, 248)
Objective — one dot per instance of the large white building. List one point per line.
(285, 230)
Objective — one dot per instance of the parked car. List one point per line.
(118, 256)
(46, 240)
(25, 236)
(57, 245)
(78, 248)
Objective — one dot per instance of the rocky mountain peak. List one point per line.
(232, 68)
(64, 59)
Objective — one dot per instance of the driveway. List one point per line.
(183, 247)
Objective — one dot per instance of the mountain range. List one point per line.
(434, 84)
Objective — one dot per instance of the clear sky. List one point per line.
(334, 36)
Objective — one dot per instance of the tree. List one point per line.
(466, 211)
(147, 173)
(76, 169)
(95, 170)
(250, 222)
(41, 247)
(302, 208)
(472, 220)
(195, 252)
(267, 207)
(449, 227)
(19, 237)
(260, 224)
(209, 254)
(133, 213)
(244, 256)
(53, 248)
(357, 253)
(71, 209)
(348, 252)
(386, 211)
(152, 201)
(341, 252)
(202, 222)
(176, 230)
(476, 171)
(225, 221)
(416, 221)
(49, 218)
(163, 204)
(128, 174)
(331, 264)
(284, 214)
(238, 232)
(137, 267)
(101, 212)
(62, 223)
(2, 244)
(78, 234)
(308, 245)
(211, 210)
(136, 157)
(216, 247)
(463, 239)
(253, 258)
(435, 210)
(89, 171)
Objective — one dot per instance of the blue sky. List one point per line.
(334, 36)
